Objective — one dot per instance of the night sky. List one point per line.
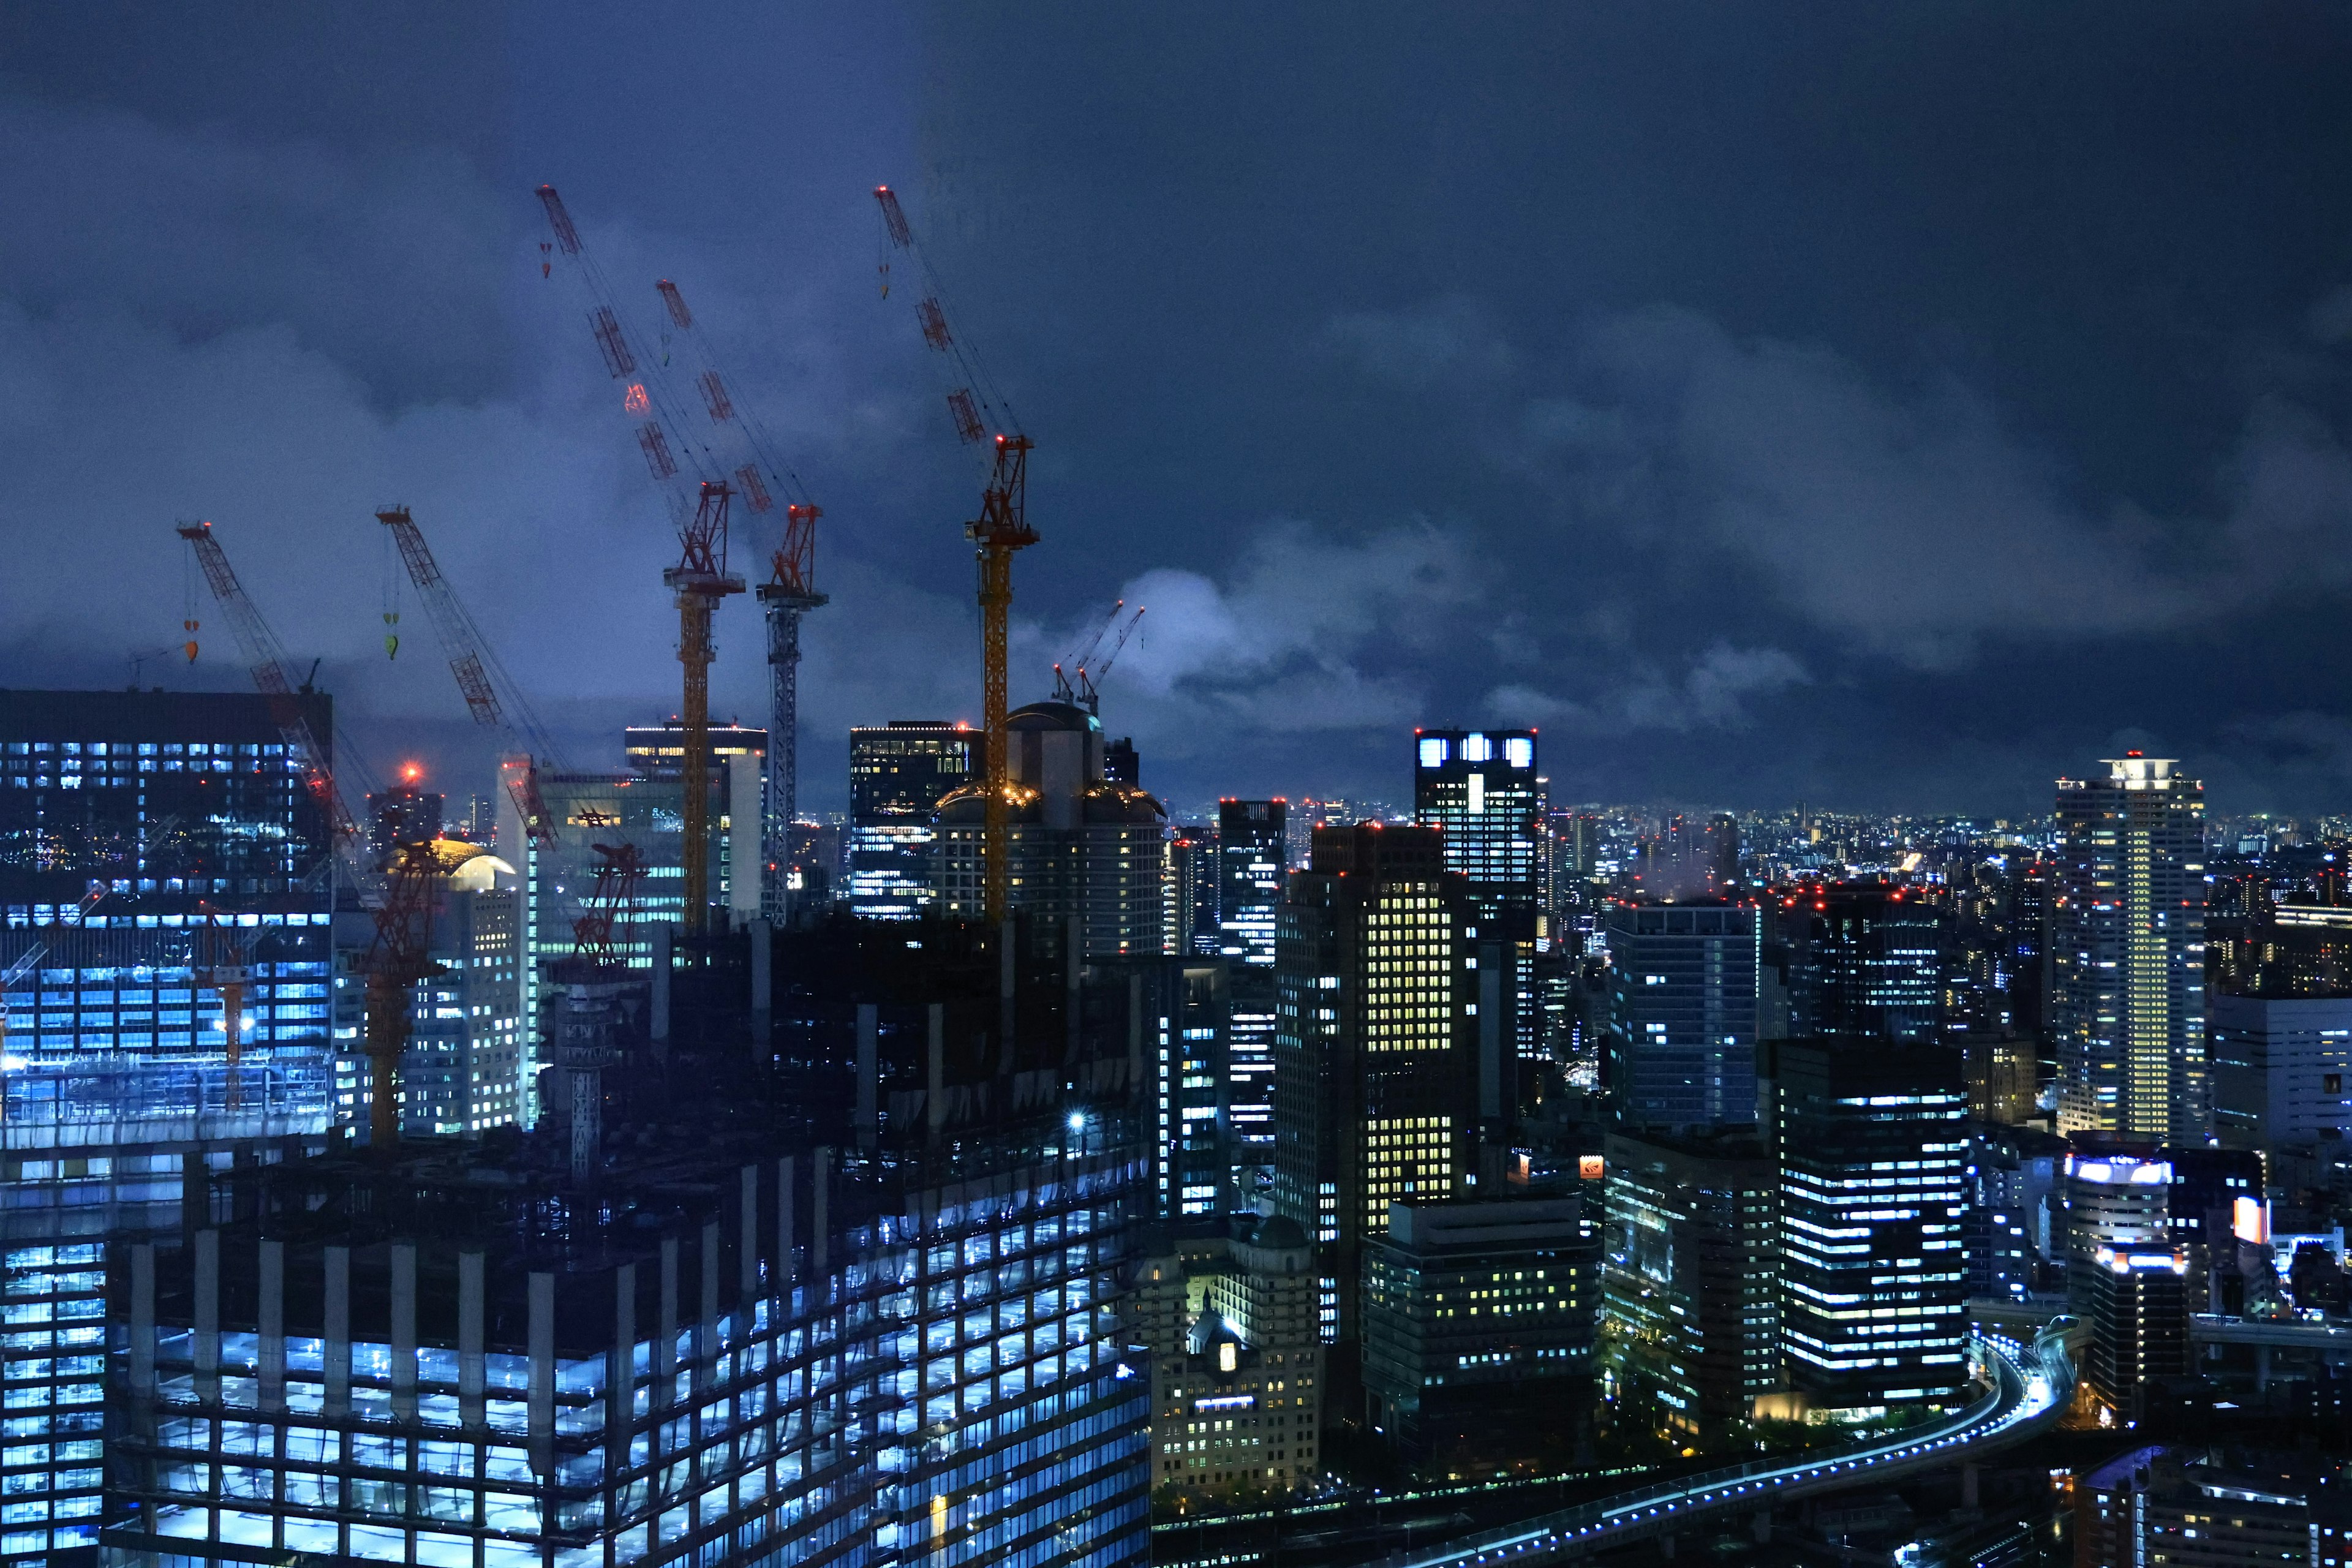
(1891, 407)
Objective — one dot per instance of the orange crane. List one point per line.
(1001, 530)
(699, 507)
(471, 661)
(398, 896)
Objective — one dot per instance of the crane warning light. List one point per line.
(635, 399)
(410, 772)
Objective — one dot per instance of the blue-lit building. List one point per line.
(1176, 1011)
(161, 876)
(1873, 1146)
(1251, 836)
(1683, 1013)
(899, 774)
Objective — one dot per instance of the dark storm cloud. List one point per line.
(1880, 407)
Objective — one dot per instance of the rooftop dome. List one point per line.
(1051, 716)
(1280, 1234)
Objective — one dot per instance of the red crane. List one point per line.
(399, 896)
(1001, 530)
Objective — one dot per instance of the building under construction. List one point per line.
(855, 1301)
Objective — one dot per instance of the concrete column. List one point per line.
(935, 1069)
(207, 1315)
(663, 937)
(472, 1361)
(1135, 1036)
(820, 1242)
(1005, 932)
(784, 1236)
(866, 1121)
(143, 1319)
(337, 1327)
(404, 1331)
(541, 1410)
(665, 1347)
(272, 1324)
(621, 1368)
(763, 993)
(706, 1328)
(1073, 947)
(747, 1242)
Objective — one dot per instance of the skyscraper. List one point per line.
(1683, 1013)
(897, 777)
(1480, 788)
(1079, 846)
(2128, 952)
(1376, 1051)
(1251, 836)
(1868, 963)
(1873, 1147)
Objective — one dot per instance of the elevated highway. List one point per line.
(2027, 1388)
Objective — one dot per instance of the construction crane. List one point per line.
(399, 896)
(999, 532)
(473, 663)
(1090, 680)
(789, 593)
(619, 869)
(699, 507)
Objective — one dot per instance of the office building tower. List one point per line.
(898, 775)
(1196, 866)
(1722, 849)
(1873, 1147)
(1252, 870)
(2127, 954)
(2215, 1193)
(1120, 763)
(2138, 1303)
(2002, 1069)
(462, 1074)
(1683, 1013)
(2212, 1507)
(869, 1297)
(1078, 846)
(1177, 1013)
(1868, 962)
(2116, 1202)
(1690, 1283)
(1478, 1330)
(403, 813)
(2016, 1206)
(178, 889)
(1237, 1394)
(1482, 790)
(2282, 1070)
(1376, 1054)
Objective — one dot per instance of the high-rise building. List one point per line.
(2282, 1070)
(1873, 1148)
(1691, 1305)
(2127, 954)
(1195, 862)
(1683, 1013)
(1376, 1052)
(1178, 1012)
(2116, 1202)
(1868, 962)
(403, 813)
(898, 775)
(187, 813)
(1478, 1330)
(1079, 846)
(1482, 790)
(1252, 869)
(2137, 1301)
(463, 1072)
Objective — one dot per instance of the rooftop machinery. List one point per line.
(1001, 528)
(731, 456)
(398, 895)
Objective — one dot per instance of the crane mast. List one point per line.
(701, 580)
(789, 594)
(399, 896)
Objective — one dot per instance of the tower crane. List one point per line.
(472, 662)
(399, 896)
(699, 504)
(789, 593)
(1090, 681)
(1001, 530)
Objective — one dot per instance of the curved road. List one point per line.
(2030, 1386)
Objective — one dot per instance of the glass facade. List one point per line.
(897, 777)
(1683, 1013)
(1249, 875)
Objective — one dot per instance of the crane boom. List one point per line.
(471, 662)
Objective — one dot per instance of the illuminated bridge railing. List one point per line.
(2029, 1387)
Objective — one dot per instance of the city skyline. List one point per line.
(1601, 357)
